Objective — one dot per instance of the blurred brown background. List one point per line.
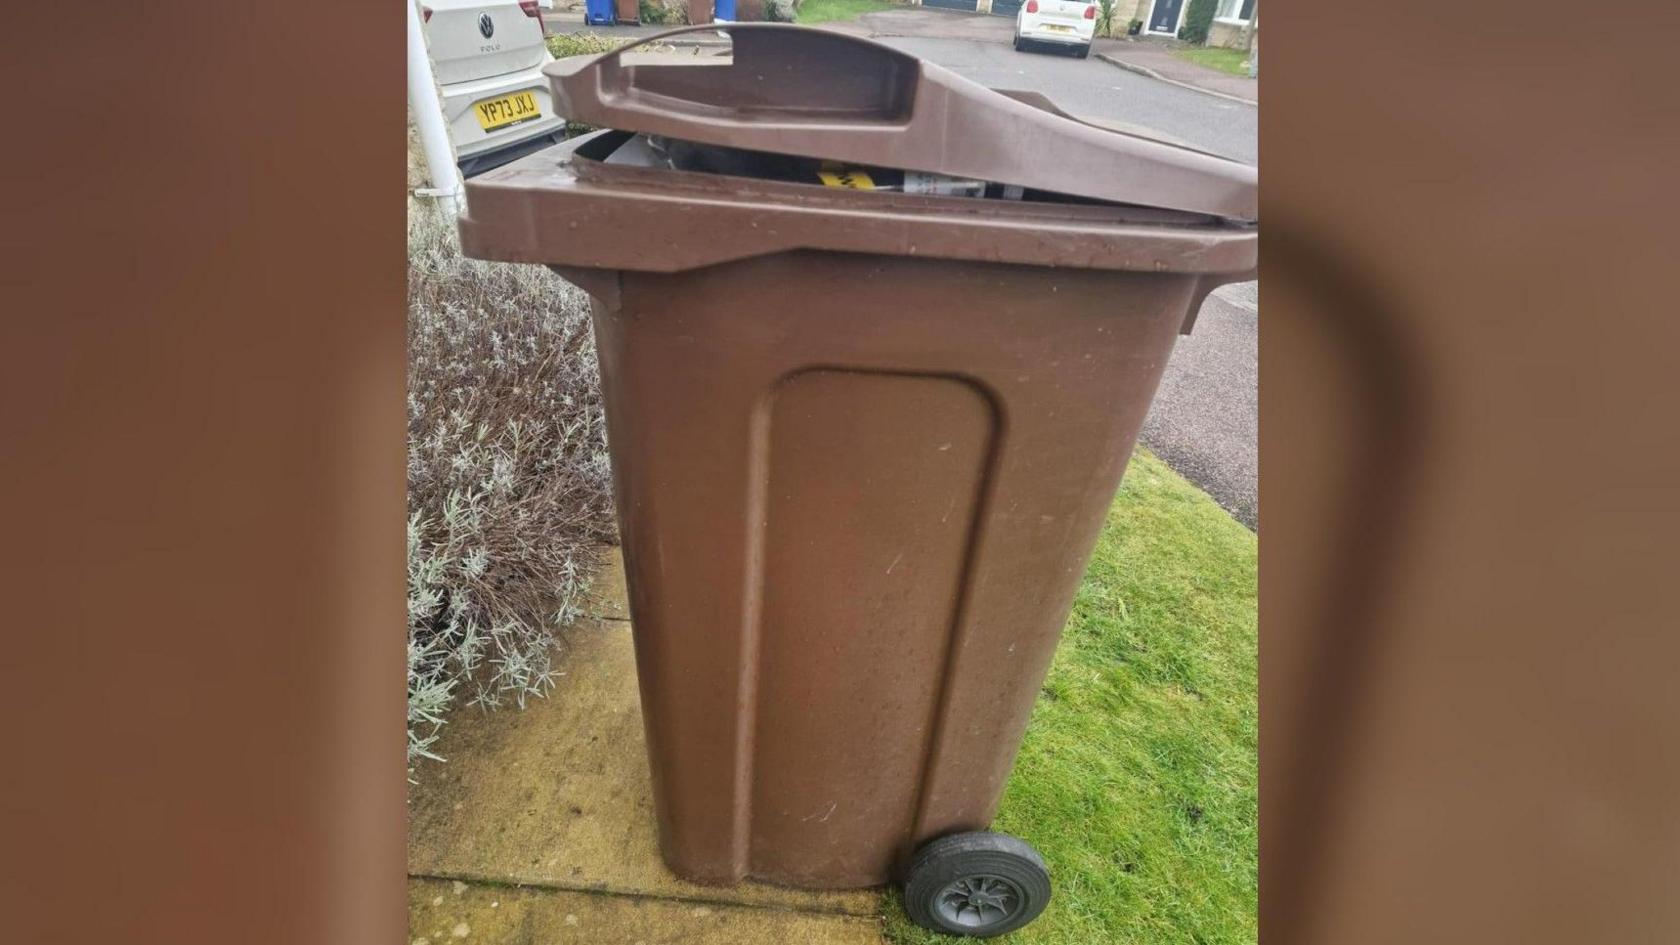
(1470, 471)
(1470, 468)
(203, 426)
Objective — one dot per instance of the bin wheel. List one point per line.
(979, 884)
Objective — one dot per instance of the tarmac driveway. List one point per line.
(1206, 417)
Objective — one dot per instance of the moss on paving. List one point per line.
(1138, 777)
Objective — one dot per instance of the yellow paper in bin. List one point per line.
(853, 178)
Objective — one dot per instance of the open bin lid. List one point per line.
(801, 91)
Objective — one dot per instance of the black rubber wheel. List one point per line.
(1085, 51)
(978, 884)
(1020, 46)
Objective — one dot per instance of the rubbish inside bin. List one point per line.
(836, 174)
(641, 150)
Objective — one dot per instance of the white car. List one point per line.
(1062, 22)
(488, 57)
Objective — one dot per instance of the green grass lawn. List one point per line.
(829, 11)
(1138, 778)
(1233, 61)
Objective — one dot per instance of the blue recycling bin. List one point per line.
(723, 11)
(600, 12)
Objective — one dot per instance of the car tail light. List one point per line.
(531, 9)
(1090, 13)
(1032, 6)
(425, 14)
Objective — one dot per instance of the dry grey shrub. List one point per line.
(509, 489)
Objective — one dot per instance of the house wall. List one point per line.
(1219, 34)
(1140, 13)
(1229, 35)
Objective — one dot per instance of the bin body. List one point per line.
(856, 496)
(862, 443)
(627, 12)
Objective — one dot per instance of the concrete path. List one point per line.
(1155, 58)
(443, 912)
(539, 827)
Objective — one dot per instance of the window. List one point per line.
(1236, 11)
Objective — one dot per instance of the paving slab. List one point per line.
(444, 912)
(558, 795)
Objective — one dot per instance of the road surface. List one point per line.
(1097, 89)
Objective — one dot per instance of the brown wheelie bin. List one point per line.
(875, 344)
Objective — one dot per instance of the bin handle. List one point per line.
(1371, 530)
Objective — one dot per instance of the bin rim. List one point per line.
(558, 208)
(826, 94)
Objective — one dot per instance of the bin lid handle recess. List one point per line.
(816, 93)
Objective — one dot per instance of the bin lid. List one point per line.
(816, 93)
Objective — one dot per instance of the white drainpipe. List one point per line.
(423, 101)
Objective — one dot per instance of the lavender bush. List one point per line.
(509, 492)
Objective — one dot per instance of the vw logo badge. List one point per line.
(485, 26)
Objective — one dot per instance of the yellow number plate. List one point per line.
(507, 110)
